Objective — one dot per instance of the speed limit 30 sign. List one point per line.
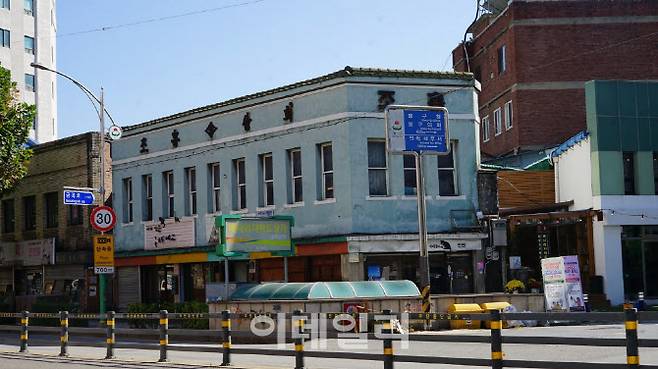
(103, 218)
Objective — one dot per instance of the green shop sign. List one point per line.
(242, 236)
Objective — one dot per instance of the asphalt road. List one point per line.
(44, 349)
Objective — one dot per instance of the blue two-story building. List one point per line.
(314, 150)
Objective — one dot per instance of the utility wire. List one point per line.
(159, 19)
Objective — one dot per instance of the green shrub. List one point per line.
(183, 307)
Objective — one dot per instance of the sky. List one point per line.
(150, 69)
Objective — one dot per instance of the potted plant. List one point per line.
(534, 285)
(514, 286)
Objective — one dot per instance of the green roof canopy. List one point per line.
(326, 290)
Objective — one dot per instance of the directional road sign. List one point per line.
(103, 218)
(74, 197)
(103, 254)
(417, 129)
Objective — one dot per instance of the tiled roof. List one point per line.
(571, 142)
(343, 73)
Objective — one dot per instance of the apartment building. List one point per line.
(28, 35)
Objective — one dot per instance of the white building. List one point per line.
(613, 167)
(27, 34)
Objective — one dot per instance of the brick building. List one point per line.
(533, 58)
(45, 246)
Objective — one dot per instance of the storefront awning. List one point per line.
(326, 290)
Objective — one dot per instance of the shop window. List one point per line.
(629, 173)
(75, 215)
(190, 186)
(295, 190)
(267, 180)
(30, 213)
(447, 167)
(240, 180)
(409, 163)
(325, 152)
(655, 172)
(127, 200)
(377, 168)
(169, 195)
(485, 129)
(147, 196)
(8, 216)
(215, 182)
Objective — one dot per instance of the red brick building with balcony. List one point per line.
(533, 58)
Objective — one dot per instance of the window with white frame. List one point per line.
(127, 200)
(267, 180)
(190, 185)
(485, 129)
(5, 38)
(215, 180)
(147, 195)
(29, 7)
(447, 167)
(326, 171)
(295, 191)
(5, 4)
(377, 168)
(30, 82)
(240, 179)
(498, 121)
(29, 44)
(168, 184)
(508, 115)
(409, 165)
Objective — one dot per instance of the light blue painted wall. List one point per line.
(353, 212)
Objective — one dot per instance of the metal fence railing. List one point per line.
(384, 333)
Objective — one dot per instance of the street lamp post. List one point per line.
(101, 111)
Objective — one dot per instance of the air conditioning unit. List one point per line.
(499, 232)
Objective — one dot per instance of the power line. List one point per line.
(159, 19)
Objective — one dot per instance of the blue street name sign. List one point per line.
(417, 129)
(424, 130)
(72, 197)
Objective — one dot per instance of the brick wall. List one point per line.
(71, 161)
(541, 54)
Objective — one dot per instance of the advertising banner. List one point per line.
(35, 252)
(250, 235)
(172, 233)
(562, 285)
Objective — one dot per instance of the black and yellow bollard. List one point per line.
(164, 335)
(632, 352)
(25, 318)
(109, 321)
(387, 331)
(496, 340)
(298, 326)
(64, 333)
(425, 294)
(226, 338)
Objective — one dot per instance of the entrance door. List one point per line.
(461, 267)
(650, 263)
(633, 267)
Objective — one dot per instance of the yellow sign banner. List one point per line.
(103, 254)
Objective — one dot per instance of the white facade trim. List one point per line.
(280, 130)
